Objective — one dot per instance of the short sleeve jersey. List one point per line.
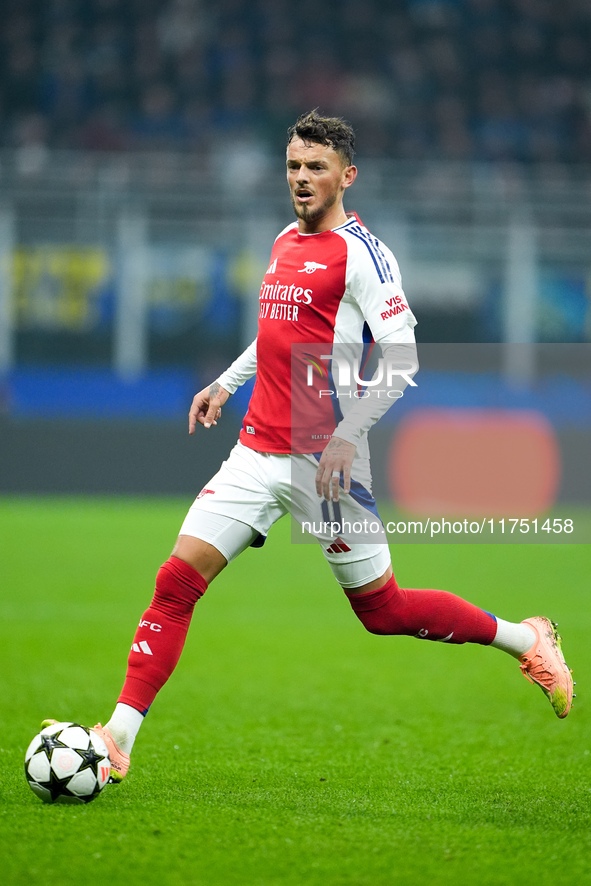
(334, 287)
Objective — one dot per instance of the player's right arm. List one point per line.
(206, 407)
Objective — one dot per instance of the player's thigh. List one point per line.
(237, 507)
(208, 542)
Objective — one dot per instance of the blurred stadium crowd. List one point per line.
(434, 79)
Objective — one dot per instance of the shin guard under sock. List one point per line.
(428, 615)
(161, 633)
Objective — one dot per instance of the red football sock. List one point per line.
(428, 615)
(162, 631)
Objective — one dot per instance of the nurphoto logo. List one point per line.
(389, 377)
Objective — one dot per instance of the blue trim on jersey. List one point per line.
(380, 261)
(381, 256)
(377, 267)
(350, 221)
(368, 345)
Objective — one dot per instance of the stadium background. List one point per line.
(141, 181)
(141, 184)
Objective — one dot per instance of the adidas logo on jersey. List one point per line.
(311, 266)
(272, 269)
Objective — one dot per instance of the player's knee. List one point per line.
(379, 610)
(178, 587)
(373, 622)
(200, 554)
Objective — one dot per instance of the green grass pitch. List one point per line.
(290, 748)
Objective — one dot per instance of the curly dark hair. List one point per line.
(333, 131)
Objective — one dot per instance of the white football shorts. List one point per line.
(252, 490)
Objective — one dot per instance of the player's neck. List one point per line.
(334, 218)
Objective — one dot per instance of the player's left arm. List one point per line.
(336, 460)
(377, 289)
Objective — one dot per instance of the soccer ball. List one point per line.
(67, 763)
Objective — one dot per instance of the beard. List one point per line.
(303, 211)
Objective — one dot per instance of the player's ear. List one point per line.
(349, 176)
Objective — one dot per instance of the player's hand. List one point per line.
(335, 463)
(206, 407)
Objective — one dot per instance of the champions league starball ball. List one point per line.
(67, 763)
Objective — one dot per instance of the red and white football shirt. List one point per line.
(335, 287)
